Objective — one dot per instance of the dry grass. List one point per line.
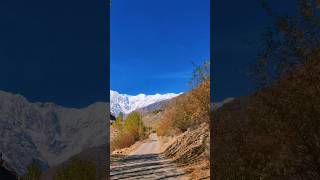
(122, 140)
(129, 131)
(190, 150)
(186, 111)
(273, 134)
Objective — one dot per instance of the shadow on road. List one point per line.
(148, 166)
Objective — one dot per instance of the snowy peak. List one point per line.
(46, 132)
(127, 103)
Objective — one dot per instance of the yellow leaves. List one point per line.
(129, 131)
(187, 110)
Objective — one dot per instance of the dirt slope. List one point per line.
(191, 151)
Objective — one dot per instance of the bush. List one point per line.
(33, 171)
(129, 131)
(77, 170)
(122, 140)
(134, 125)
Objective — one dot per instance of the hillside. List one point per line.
(47, 132)
(152, 113)
(191, 150)
(272, 133)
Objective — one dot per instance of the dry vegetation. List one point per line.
(186, 111)
(191, 150)
(129, 131)
(275, 133)
(187, 118)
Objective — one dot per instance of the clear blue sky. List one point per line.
(238, 27)
(54, 51)
(154, 42)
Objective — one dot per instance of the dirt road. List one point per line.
(146, 162)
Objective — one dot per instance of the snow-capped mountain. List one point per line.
(127, 103)
(47, 132)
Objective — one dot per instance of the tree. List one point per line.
(119, 122)
(191, 108)
(200, 74)
(289, 43)
(134, 125)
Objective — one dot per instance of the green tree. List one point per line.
(119, 122)
(33, 171)
(134, 125)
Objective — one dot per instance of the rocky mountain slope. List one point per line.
(155, 107)
(47, 132)
(127, 103)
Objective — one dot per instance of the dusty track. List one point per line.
(146, 162)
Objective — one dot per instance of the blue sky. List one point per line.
(54, 51)
(238, 27)
(153, 44)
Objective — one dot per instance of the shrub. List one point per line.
(129, 131)
(33, 171)
(122, 140)
(77, 170)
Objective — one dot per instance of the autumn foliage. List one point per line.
(129, 131)
(273, 134)
(189, 109)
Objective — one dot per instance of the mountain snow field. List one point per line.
(127, 103)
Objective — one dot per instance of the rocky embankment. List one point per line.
(191, 150)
